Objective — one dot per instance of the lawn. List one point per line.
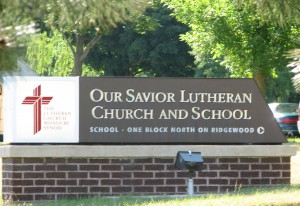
(276, 196)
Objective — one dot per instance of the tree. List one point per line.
(49, 54)
(76, 19)
(283, 13)
(13, 31)
(234, 33)
(149, 46)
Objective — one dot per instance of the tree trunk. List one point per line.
(78, 61)
(260, 79)
(80, 53)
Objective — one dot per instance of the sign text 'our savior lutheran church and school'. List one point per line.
(137, 111)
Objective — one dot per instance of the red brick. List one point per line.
(229, 174)
(166, 189)
(239, 167)
(77, 190)
(281, 181)
(210, 160)
(260, 167)
(89, 167)
(16, 175)
(121, 189)
(67, 196)
(14, 189)
(132, 182)
(208, 174)
(250, 174)
(39, 197)
(182, 189)
(22, 182)
(33, 160)
(7, 168)
(286, 174)
(143, 189)
(33, 175)
(88, 182)
(271, 160)
(185, 174)
(217, 181)
(154, 181)
(99, 174)
(66, 182)
(99, 161)
(160, 160)
(55, 160)
(56, 175)
(21, 198)
(44, 168)
(286, 159)
(67, 167)
(77, 174)
(281, 166)
(143, 174)
(263, 181)
(228, 160)
(143, 160)
(208, 189)
(228, 188)
(56, 189)
(155, 167)
(44, 182)
(34, 190)
(133, 167)
(121, 161)
(121, 174)
(110, 182)
(200, 181)
(164, 174)
(249, 160)
(77, 161)
(239, 181)
(218, 166)
(111, 167)
(100, 189)
(175, 181)
(270, 174)
(23, 168)
(12, 160)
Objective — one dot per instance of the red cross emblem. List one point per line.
(37, 102)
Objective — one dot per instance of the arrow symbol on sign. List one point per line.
(260, 130)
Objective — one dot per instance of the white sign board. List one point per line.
(41, 109)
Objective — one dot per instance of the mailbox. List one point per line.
(187, 160)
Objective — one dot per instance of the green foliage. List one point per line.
(137, 50)
(280, 12)
(49, 55)
(8, 58)
(236, 35)
(221, 29)
(76, 19)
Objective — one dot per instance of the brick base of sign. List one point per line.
(32, 179)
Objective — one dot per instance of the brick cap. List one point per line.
(141, 151)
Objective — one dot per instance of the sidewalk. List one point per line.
(295, 169)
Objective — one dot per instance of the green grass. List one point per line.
(276, 196)
(294, 141)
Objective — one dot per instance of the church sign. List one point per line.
(121, 110)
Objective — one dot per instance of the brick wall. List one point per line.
(31, 179)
